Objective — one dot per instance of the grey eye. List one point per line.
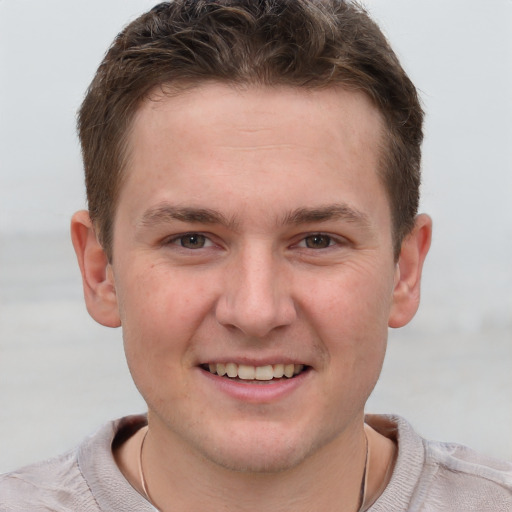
(192, 241)
(317, 241)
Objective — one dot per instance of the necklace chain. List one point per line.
(362, 492)
(141, 474)
(364, 480)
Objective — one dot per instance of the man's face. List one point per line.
(253, 231)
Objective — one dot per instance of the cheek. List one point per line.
(350, 314)
(158, 323)
(352, 331)
(161, 310)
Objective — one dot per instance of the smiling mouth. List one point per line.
(251, 373)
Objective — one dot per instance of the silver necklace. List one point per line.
(362, 492)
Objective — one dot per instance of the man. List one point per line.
(252, 172)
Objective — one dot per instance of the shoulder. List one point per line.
(466, 479)
(85, 479)
(431, 476)
(58, 484)
(55, 484)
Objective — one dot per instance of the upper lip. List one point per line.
(252, 361)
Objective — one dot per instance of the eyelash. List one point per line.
(328, 239)
(178, 240)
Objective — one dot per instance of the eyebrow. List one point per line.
(326, 213)
(166, 213)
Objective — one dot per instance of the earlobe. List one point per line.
(97, 278)
(406, 293)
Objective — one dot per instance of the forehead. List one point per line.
(214, 142)
(250, 111)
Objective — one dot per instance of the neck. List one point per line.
(329, 480)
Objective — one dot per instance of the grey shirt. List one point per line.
(428, 476)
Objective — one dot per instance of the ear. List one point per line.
(406, 293)
(97, 277)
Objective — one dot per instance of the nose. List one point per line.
(256, 296)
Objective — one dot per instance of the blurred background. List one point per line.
(449, 372)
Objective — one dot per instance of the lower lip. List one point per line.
(256, 392)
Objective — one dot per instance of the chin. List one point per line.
(257, 461)
(266, 451)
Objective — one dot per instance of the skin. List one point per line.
(293, 263)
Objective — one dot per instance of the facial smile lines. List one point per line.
(247, 372)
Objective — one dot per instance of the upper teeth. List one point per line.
(246, 372)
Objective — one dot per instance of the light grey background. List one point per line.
(449, 372)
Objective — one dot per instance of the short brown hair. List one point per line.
(298, 43)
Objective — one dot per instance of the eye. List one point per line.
(192, 241)
(317, 241)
